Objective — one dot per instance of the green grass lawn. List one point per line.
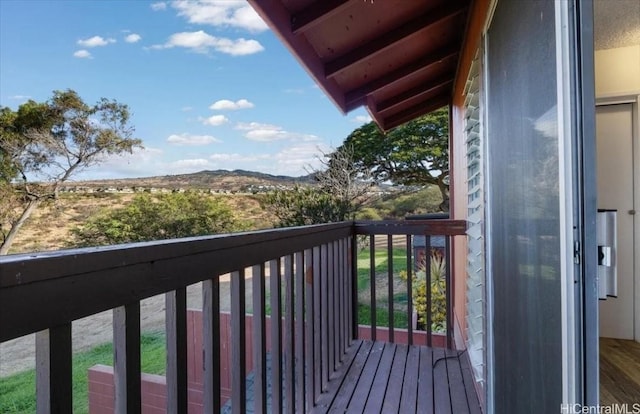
(17, 392)
(399, 261)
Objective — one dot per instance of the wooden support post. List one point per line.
(276, 335)
(176, 322)
(238, 341)
(53, 371)
(126, 358)
(259, 340)
(211, 344)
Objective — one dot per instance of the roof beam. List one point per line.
(314, 14)
(279, 19)
(426, 106)
(414, 92)
(356, 97)
(392, 37)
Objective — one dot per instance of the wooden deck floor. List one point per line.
(619, 371)
(379, 377)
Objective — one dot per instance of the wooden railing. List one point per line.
(310, 301)
(418, 258)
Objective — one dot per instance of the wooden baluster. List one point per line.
(308, 319)
(54, 384)
(353, 288)
(324, 332)
(289, 370)
(238, 341)
(341, 313)
(126, 358)
(372, 283)
(176, 325)
(427, 264)
(331, 308)
(211, 344)
(259, 341)
(276, 335)
(317, 324)
(390, 309)
(410, 289)
(299, 332)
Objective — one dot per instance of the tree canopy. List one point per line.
(158, 217)
(43, 144)
(416, 153)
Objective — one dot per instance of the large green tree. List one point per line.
(43, 144)
(416, 153)
(156, 217)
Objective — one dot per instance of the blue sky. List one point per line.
(208, 84)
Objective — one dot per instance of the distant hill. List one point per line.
(217, 180)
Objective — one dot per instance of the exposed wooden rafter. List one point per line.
(392, 37)
(316, 13)
(356, 97)
(428, 105)
(425, 88)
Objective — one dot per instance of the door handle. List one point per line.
(632, 212)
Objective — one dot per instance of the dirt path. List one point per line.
(19, 354)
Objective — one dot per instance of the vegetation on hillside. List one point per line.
(157, 217)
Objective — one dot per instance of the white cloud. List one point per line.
(256, 131)
(82, 54)
(95, 41)
(188, 139)
(361, 119)
(215, 120)
(140, 163)
(186, 108)
(298, 159)
(161, 5)
(296, 91)
(220, 13)
(201, 42)
(227, 105)
(20, 97)
(237, 158)
(132, 38)
(189, 165)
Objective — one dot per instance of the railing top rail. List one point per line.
(20, 269)
(415, 227)
(38, 291)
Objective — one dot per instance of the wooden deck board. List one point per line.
(365, 380)
(396, 376)
(409, 397)
(380, 382)
(441, 396)
(389, 378)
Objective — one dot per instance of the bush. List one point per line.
(438, 292)
(164, 216)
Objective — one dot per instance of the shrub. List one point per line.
(438, 291)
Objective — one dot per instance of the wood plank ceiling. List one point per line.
(397, 57)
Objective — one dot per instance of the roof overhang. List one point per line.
(397, 57)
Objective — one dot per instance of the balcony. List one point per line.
(296, 344)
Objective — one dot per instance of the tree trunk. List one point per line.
(26, 213)
(444, 191)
